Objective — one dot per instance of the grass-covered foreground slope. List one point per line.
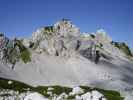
(57, 90)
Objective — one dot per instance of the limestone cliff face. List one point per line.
(102, 36)
(56, 39)
(63, 38)
(66, 28)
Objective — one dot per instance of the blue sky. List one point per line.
(22, 17)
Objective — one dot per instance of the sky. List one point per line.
(22, 17)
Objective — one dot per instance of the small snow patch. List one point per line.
(49, 93)
(62, 96)
(10, 82)
(50, 89)
(97, 95)
(86, 96)
(35, 96)
(76, 90)
(94, 95)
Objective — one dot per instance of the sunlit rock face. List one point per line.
(101, 36)
(38, 35)
(59, 39)
(26, 42)
(62, 38)
(65, 28)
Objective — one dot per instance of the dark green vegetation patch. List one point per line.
(24, 52)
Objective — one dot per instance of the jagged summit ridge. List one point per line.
(65, 27)
(64, 37)
(61, 28)
(56, 38)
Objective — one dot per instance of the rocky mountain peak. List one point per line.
(102, 36)
(65, 28)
